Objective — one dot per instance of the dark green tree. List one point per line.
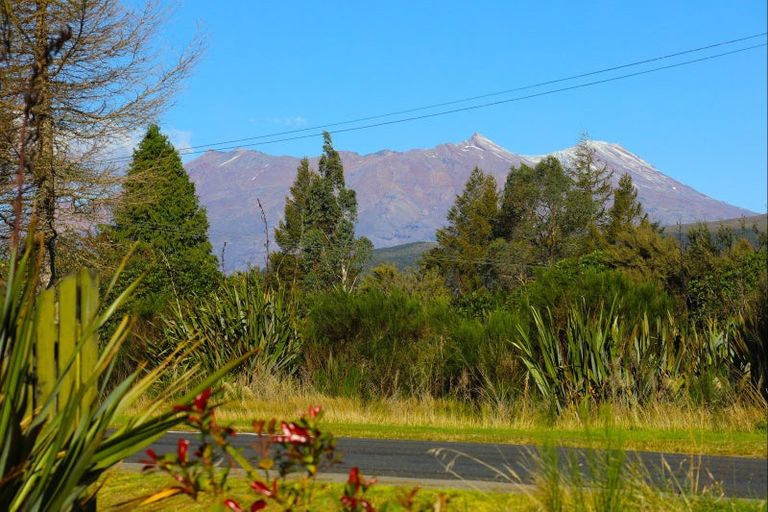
(554, 226)
(517, 203)
(462, 250)
(592, 188)
(541, 215)
(626, 212)
(317, 236)
(290, 234)
(159, 211)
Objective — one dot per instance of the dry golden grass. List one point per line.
(734, 429)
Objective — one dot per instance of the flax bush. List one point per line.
(241, 316)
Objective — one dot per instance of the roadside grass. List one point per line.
(121, 485)
(735, 429)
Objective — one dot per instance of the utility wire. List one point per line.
(499, 102)
(190, 150)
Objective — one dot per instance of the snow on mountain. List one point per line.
(403, 196)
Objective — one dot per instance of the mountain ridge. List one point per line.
(404, 196)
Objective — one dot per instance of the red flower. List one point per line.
(182, 449)
(180, 408)
(354, 477)
(233, 505)
(262, 488)
(352, 503)
(258, 505)
(201, 400)
(293, 433)
(314, 410)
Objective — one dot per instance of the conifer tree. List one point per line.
(317, 235)
(290, 233)
(626, 211)
(517, 202)
(461, 253)
(592, 186)
(159, 211)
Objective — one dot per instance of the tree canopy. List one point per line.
(317, 234)
(161, 214)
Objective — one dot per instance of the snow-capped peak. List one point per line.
(480, 142)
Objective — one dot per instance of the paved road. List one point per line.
(740, 477)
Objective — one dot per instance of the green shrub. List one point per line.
(598, 356)
(241, 316)
(587, 281)
(391, 337)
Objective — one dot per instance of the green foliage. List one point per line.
(543, 214)
(589, 280)
(754, 334)
(160, 211)
(427, 285)
(317, 236)
(404, 256)
(553, 219)
(374, 332)
(592, 186)
(626, 211)
(53, 449)
(461, 253)
(290, 233)
(373, 343)
(718, 272)
(644, 254)
(516, 203)
(752, 228)
(597, 356)
(241, 317)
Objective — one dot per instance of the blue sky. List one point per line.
(274, 66)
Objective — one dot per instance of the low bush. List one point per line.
(240, 317)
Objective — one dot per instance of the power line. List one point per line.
(199, 148)
(499, 102)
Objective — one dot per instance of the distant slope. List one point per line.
(401, 256)
(403, 197)
(760, 221)
(742, 227)
(407, 255)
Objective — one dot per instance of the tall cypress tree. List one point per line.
(317, 235)
(159, 211)
(290, 234)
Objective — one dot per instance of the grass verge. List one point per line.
(121, 485)
(736, 429)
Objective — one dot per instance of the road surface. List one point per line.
(516, 464)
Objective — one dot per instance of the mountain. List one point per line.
(403, 196)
